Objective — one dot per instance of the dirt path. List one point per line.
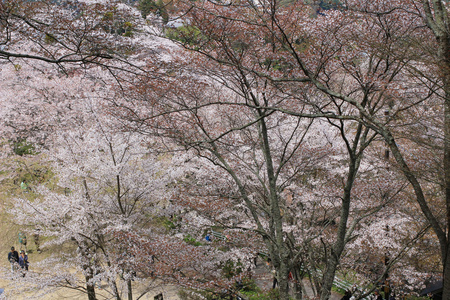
(263, 279)
(262, 276)
(169, 293)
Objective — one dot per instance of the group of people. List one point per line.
(17, 260)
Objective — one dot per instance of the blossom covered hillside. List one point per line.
(314, 137)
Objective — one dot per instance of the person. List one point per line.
(275, 279)
(273, 271)
(13, 258)
(36, 240)
(255, 258)
(24, 186)
(22, 241)
(23, 262)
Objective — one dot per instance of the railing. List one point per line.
(218, 235)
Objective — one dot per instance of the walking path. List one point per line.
(263, 278)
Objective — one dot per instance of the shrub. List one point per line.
(191, 241)
(231, 269)
(23, 147)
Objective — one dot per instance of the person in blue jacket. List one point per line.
(23, 262)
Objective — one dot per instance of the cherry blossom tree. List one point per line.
(110, 183)
(362, 67)
(110, 199)
(228, 117)
(66, 32)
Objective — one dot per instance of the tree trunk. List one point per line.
(130, 290)
(339, 244)
(281, 257)
(436, 16)
(283, 282)
(90, 288)
(446, 279)
(115, 290)
(444, 53)
(296, 274)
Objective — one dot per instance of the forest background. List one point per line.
(315, 134)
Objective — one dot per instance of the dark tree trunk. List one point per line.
(90, 288)
(445, 69)
(297, 287)
(130, 290)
